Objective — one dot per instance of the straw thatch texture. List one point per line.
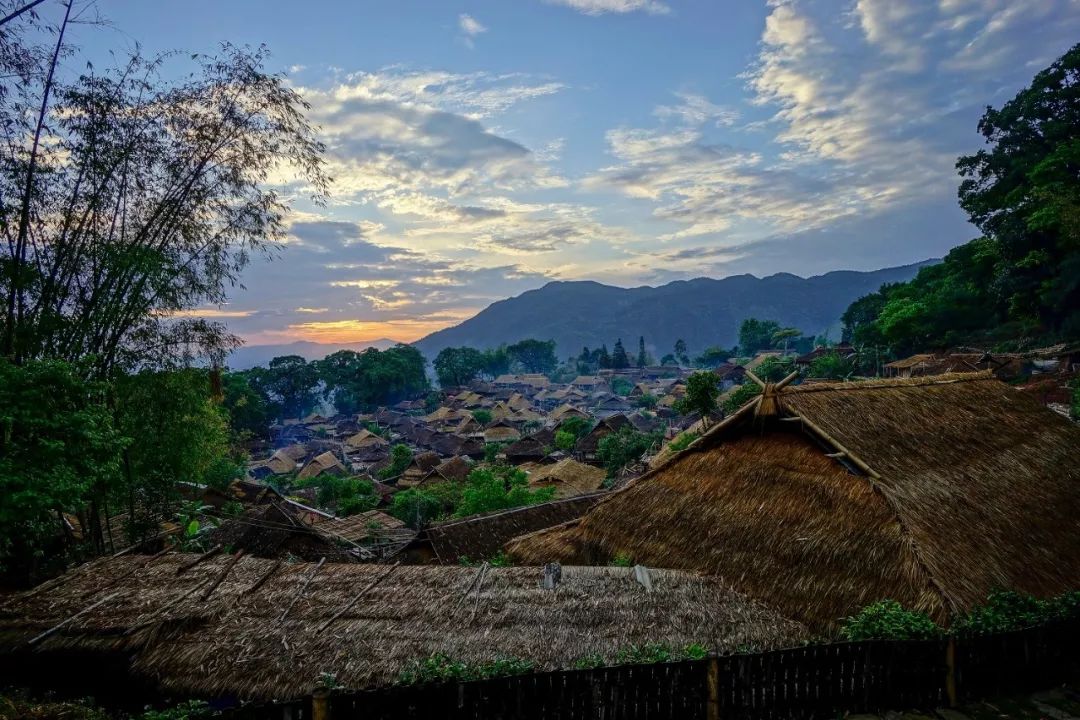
(235, 644)
(569, 478)
(967, 486)
(481, 536)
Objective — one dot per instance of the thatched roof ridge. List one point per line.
(235, 643)
(949, 472)
(481, 536)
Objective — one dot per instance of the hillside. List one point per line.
(703, 312)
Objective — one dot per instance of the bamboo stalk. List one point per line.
(303, 588)
(359, 595)
(205, 556)
(820, 432)
(41, 636)
(225, 571)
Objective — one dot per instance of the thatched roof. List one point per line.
(325, 463)
(932, 492)
(455, 469)
(569, 478)
(372, 524)
(280, 463)
(235, 643)
(277, 530)
(480, 537)
(366, 439)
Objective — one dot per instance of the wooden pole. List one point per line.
(950, 672)
(38, 638)
(712, 686)
(205, 556)
(225, 571)
(320, 704)
(359, 595)
(303, 587)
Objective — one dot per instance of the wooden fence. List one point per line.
(817, 681)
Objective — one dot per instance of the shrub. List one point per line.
(622, 560)
(400, 458)
(889, 620)
(482, 416)
(415, 507)
(565, 440)
(682, 441)
(742, 395)
(440, 667)
(1007, 610)
(499, 488)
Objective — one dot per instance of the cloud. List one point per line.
(602, 7)
(470, 27)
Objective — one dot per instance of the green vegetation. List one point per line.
(755, 335)
(701, 393)
(441, 668)
(400, 458)
(622, 559)
(621, 386)
(740, 396)
(347, 495)
(498, 488)
(889, 620)
(831, 366)
(683, 441)
(482, 416)
(565, 440)
(1018, 282)
(416, 507)
(619, 359)
(625, 447)
(774, 369)
(533, 356)
(459, 366)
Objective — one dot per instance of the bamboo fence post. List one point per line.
(712, 686)
(320, 704)
(950, 671)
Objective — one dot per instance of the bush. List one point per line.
(622, 560)
(441, 668)
(498, 488)
(1006, 610)
(415, 507)
(682, 441)
(400, 458)
(482, 416)
(889, 620)
(742, 395)
(625, 447)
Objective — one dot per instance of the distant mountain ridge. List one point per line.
(703, 312)
(249, 356)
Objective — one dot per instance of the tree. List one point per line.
(642, 357)
(565, 440)
(669, 359)
(681, 353)
(131, 200)
(774, 369)
(499, 488)
(619, 359)
(482, 416)
(250, 411)
(700, 397)
(603, 359)
(533, 356)
(626, 446)
(755, 335)
(621, 386)
(713, 357)
(59, 452)
(293, 382)
(356, 381)
(455, 367)
(740, 396)
(784, 336)
(416, 507)
(400, 458)
(831, 366)
(1023, 194)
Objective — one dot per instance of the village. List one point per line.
(307, 407)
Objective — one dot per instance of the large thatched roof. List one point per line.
(823, 498)
(237, 643)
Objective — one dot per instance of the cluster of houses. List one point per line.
(515, 416)
(808, 503)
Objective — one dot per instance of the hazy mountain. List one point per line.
(703, 312)
(251, 355)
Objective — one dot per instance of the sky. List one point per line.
(481, 148)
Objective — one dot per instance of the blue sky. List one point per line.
(485, 147)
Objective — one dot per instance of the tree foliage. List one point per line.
(701, 392)
(625, 447)
(756, 335)
(498, 488)
(1020, 281)
(355, 381)
(129, 199)
(533, 356)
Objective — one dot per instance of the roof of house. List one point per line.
(364, 526)
(327, 462)
(825, 498)
(482, 536)
(249, 639)
(569, 478)
(365, 438)
(453, 469)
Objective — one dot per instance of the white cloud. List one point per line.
(470, 28)
(601, 7)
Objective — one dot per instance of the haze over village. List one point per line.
(539, 359)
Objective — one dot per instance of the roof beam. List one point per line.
(755, 378)
(848, 455)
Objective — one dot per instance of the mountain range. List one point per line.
(704, 312)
